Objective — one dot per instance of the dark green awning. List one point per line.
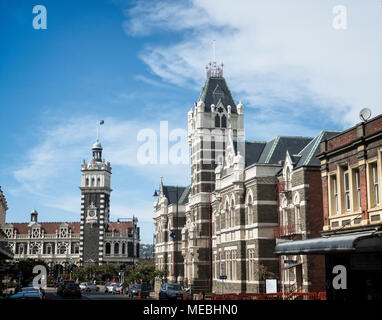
(356, 242)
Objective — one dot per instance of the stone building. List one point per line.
(5, 253)
(351, 239)
(169, 220)
(232, 208)
(94, 239)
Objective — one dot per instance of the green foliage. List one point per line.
(144, 272)
(26, 266)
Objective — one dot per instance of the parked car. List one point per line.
(88, 286)
(171, 291)
(142, 289)
(28, 293)
(69, 289)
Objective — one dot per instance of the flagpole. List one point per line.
(98, 130)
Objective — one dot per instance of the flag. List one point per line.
(100, 122)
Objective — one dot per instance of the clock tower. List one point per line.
(95, 206)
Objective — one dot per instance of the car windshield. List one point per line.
(174, 286)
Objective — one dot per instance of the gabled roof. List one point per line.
(171, 194)
(307, 156)
(275, 150)
(215, 89)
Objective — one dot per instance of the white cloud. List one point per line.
(275, 53)
(53, 163)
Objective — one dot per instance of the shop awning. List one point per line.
(356, 242)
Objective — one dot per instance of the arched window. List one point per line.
(116, 248)
(93, 182)
(224, 121)
(123, 248)
(98, 181)
(249, 210)
(232, 213)
(87, 182)
(107, 248)
(217, 121)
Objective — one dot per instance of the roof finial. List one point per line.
(214, 50)
(213, 70)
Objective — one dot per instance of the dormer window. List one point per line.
(63, 232)
(36, 232)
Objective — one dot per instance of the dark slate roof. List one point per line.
(307, 156)
(216, 89)
(170, 193)
(253, 150)
(275, 150)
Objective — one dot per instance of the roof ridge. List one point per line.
(300, 137)
(272, 149)
(254, 141)
(315, 145)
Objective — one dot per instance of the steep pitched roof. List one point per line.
(253, 150)
(215, 89)
(171, 194)
(307, 156)
(275, 150)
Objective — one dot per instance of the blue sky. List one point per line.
(136, 63)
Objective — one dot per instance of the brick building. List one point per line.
(301, 216)
(351, 171)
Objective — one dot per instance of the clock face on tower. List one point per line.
(92, 213)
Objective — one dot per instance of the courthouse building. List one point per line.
(232, 208)
(93, 239)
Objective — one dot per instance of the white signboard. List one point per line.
(270, 286)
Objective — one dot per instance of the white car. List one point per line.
(88, 286)
(112, 287)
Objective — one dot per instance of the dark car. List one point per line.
(69, 289)
(171, 291)
(142, 290)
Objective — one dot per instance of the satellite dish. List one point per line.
(365, 114)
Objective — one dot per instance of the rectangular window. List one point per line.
(335, 194)
(347, 190)
(375, 184)
(358, 189)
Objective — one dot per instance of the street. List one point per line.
(51, 293)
